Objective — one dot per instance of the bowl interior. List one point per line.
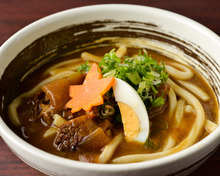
(57, 40)
(83, 36)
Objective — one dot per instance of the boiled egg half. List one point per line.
(133, 112)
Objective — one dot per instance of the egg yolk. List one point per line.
(130, 121)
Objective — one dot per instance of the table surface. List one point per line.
(15, 14)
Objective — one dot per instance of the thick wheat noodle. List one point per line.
(58, 120)
(188, 141)
(110, 148)
(59, 70)
(210, 126)
(12, 108)
(179, 110)
(179, 71)
(62, 64)
(94, 58)
(170, 143)
(188, 109)
(68, 68)
(90, 57)
(121, 51)
(51, 131)
(172, 102)
(195, 90)
(57, 123)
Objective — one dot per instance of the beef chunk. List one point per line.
(45, 110)
(28, 110)
(57, 92)
(106, 125)
(94, 141)
(34, 105)
(154, 111)
(46, 113)
(67, 114)
(51, 100)
(162, 92)
(73, 131)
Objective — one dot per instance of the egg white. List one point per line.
(126, 94)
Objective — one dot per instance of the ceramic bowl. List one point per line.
(92, 26)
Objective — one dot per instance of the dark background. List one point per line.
(15, 14)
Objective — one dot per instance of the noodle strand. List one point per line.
(121, 51)
(195, 90)
(172, 102)
(179, 111)
(210, 126)
(169, 144)
(62, 64)
(90, 57)
(110, 148)
(182, 73)
(188, 141)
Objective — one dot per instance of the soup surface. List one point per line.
(185, 113)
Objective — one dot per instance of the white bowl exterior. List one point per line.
(183, 27)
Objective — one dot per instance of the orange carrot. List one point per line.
(93, 74)
(90, 93)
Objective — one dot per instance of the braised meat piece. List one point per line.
(73, 131)
(57, 92)
(37, 107)
(81, 129)
(106, 125)
(67, 114)
(45, 110)
(30, 110)
(51, 100)
(162, 91)
(94, 141)
(154, 111)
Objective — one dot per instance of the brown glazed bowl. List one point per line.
(107, 25)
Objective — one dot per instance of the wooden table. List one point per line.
(15, 14)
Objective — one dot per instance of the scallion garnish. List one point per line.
(142, 72)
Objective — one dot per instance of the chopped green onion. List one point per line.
(152, 142)
(84, 67)
(141, 72)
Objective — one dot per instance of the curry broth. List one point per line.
(32, 131)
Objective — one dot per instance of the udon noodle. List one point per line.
(186, 103)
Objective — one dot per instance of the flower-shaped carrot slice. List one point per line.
(90, 93)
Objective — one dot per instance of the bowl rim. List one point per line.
(8, 134)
